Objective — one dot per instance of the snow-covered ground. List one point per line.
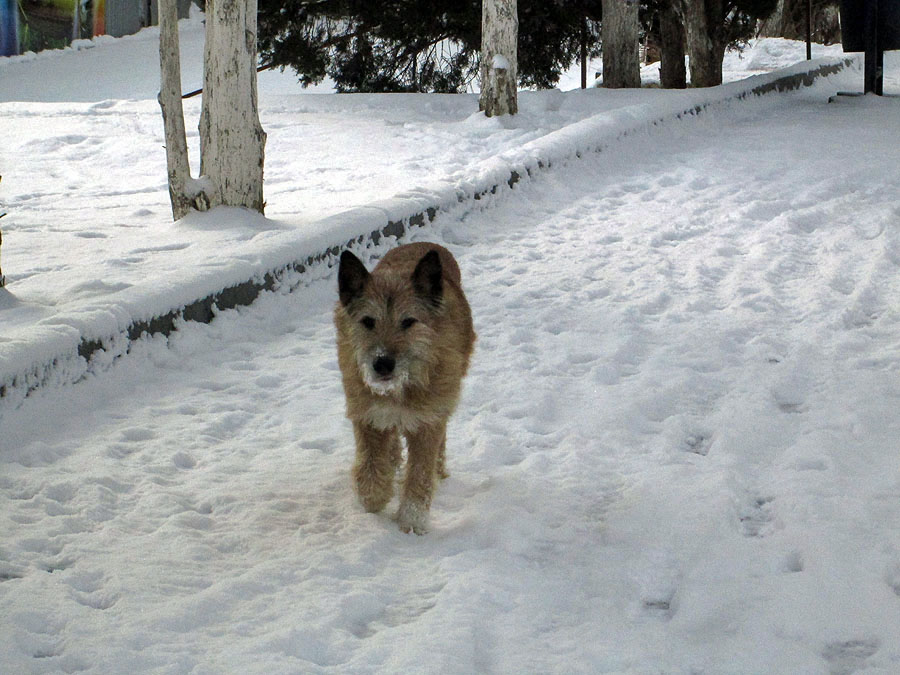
(677, 449)
(89, 243)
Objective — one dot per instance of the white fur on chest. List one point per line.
(386, 413)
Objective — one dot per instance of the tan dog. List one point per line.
(404, 337)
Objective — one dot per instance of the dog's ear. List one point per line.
(427, 278)
(352, 278)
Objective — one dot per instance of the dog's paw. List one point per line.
(373, 503)
(373, 491)
(412, 517)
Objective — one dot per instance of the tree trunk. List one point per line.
(672, 72)
(232, 141)
(788, 20)
(181, 192)
(584, 52)
(499, 57)
(774, 24)
(621, 45)
(704, 29)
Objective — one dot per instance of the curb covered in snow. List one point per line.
(90, 346)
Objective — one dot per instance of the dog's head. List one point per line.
(391, 320)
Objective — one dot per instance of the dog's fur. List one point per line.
(404, 339)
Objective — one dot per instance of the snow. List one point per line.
(758, 57)
(677, 445)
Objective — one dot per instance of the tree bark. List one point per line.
(232, 141)
(672, 71)
(788, 20)
(621, 45)
(774, 25)
(179, 170)
(704, 28)
(499, 57)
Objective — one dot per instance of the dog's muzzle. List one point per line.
(383, 374)
(384, 365)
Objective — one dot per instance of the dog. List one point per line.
(404, 341)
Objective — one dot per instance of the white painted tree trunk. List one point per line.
(621, 44)
(232, 141)
(182, 190)
(499, 57)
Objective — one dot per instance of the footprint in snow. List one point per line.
(268, 381)
(757, 520)
(668, 180)
(793, 563)
(660, 606)
(137, 435)
(698, 444)
(39, 635)
(61, 493)
(326, 445)
(847, 657)
(892, 578)
(8, 572)
(184, 460)
(89, 590)
(792, 408)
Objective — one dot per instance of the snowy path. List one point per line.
(676, 450)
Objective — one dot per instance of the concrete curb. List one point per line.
(397, 217)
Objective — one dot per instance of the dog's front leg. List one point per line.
(421, 476)
(442, 459)
(377, 456)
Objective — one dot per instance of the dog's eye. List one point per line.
(408, 323)
(368, 322)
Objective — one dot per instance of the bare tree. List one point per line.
(232, 141)
(619, 32)
(183, 191)
(499, 57)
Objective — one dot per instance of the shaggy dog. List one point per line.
(404, 339)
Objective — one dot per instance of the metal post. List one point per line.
(9, 28)
(2, 278)
(874, 59)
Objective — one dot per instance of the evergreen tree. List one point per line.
(413, 45)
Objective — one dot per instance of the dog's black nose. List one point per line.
(384, 365)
